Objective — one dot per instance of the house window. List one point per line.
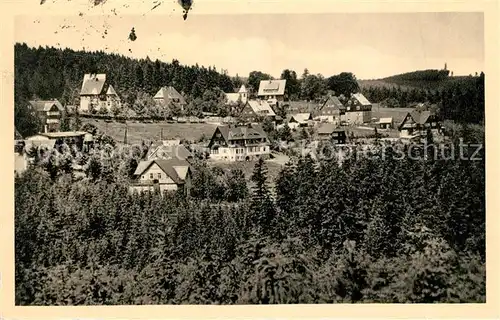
(159, 176)
(150, 176)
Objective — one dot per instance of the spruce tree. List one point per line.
(262, 205)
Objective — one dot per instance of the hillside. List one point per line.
(48, 72)
(421, 79)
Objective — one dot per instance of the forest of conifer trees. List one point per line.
(369, 230)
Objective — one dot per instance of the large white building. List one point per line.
(273, 91)
(96, 93)
(239, 143)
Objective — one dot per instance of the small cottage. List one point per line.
(417, 122)
(50, 113)
(295, 121)
(162, 175)
(329, 131)
(385, 123)
(255, 110)
(168, 95)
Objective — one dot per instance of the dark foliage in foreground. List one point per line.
(371, 230)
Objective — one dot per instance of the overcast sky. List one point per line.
(371, 45)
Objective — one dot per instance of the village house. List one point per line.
(162, 175)
(331, 110)
(239, 143)
(240, 96)
(329, 131)
(254, 110)
(299, 120)
(50, 113)
(358, 110)
(385, 123)
(273, 91)
(97, 93)
(169, 96)
(417, 122)
(169, 149)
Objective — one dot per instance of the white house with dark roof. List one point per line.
(162, 175)
(239, 143)
(241, 95)
(96, 93)
(273, 91)
(169, 95)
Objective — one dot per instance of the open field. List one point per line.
(137, 132)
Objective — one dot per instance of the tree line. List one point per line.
(368, 229)
(460, 100)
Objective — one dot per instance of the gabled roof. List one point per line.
(243, 89)
(272, 87)
(300, 117)
(418, 116)
(242, 132)
(175, 169)
(111, 91)
(261, 107)
(334, 102)
(93, 84)
(169, 152)
(46, 105)
(362, 99)
(169, 93)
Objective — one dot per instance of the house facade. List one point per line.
(169, 95)
(272, 91)
(255, 110)
(385, 123)
(239, 143)
(358, 110)
(417, 122)
(50, 113)
(162, 175)
(331, 111)
(96, 93)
